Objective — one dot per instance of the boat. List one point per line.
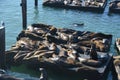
(68, 51)
(84, 5)
(114, 6)
(117, 43)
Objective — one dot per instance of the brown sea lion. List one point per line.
(66, 31)
(70, 60)
(24, 44)
(101, 35)
(100, 46)
(116, 62)
(43, 26)
(93, 53)
(63, 36)
(18, 58)
(30, 35)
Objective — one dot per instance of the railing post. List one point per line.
(2, 46)
(24, 13)
(36, 3)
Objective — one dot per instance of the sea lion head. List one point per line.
(30, 28)
(53, 30)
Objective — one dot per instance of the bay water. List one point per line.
(11, 14)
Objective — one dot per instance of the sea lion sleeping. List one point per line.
(25, 44)
(117, 62)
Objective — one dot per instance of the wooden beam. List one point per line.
(2, 46)
(24, 13)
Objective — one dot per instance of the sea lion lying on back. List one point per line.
(31, 35)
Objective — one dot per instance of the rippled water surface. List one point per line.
(10, 13)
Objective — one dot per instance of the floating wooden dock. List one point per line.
(64, 50)
(114, 6)
(93, 6)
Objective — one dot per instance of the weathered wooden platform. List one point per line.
(114, 6)
(93, 8)
(62, 50)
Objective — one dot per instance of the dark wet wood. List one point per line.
(24, 13)
(2, 47)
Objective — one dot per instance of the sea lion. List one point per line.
(53, 31)
(23, 44)
(42, 26)
(70, 60)
(52, 47)
(63, 36)
(66, 31)
(19, 57)
(43, 47)
(93, 53)
(78, 24)
(30, 29)
(116, 62)
(30, 35)
(21, 34)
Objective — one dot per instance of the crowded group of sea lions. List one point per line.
(46, 46)
(92, 3)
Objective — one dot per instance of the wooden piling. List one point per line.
(36, 3)
(24, 13)
(2, 47)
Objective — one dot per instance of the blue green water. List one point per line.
(10, 13)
